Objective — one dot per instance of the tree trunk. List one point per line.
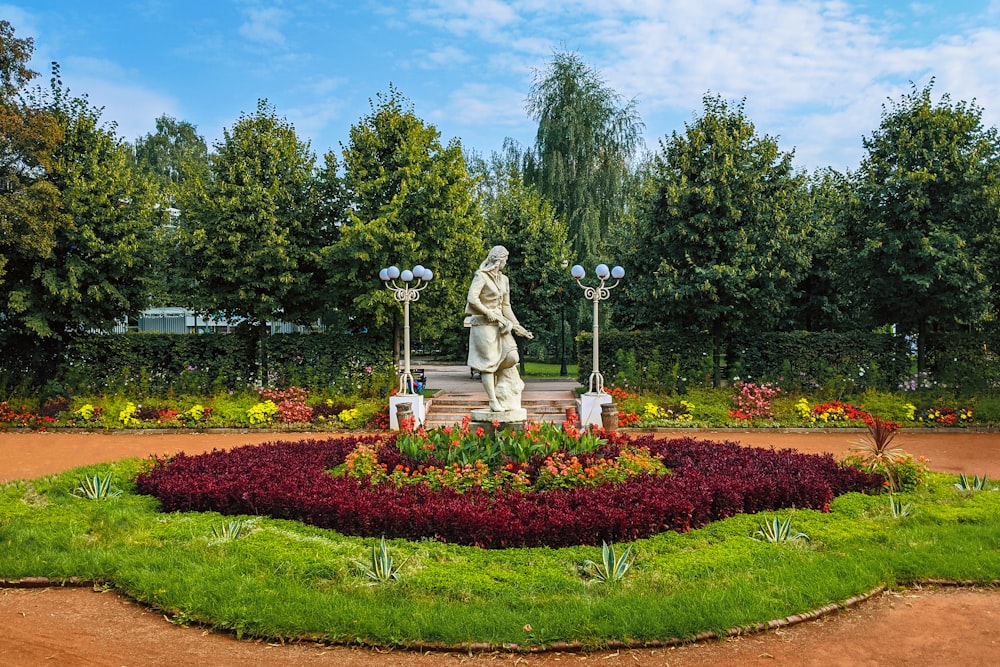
(262, 353)
(717, 353)
(921, 345)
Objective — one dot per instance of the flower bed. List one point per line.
(708, 481)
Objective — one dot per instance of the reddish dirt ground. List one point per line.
(78, 626)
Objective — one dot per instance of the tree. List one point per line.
(251, 242)
(724, 243)
(927, 201)
(518, 218)
(402, 198)
(30, 208)
(585, 140)
(173, 155)
(829, 297)
(91, 278)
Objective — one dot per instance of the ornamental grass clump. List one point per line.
(877, 453)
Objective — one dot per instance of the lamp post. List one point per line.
(406, 293)
(563, 370)
(596, 395)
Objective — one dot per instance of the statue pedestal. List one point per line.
(416, 402)
(590, 408)
(508, 419)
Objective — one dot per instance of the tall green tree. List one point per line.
(401, 197)
(172, 155)
(30, 206)
(830, 297)
(251, 242)
(93, 275)
(724, 242)
(586, 139)
(519, 218)
(927, 201)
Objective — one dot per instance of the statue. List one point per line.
(492, 350)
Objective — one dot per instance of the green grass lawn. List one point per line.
(536, 369)
(283, 579)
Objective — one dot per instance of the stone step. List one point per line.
(450, 408)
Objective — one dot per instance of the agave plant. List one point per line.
(380, 564)
(875, 448)
(977, 483)
(897, 508)
(611, 569)
(777, 530)
(232, 530)
(96, 488)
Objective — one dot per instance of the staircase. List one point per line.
(448, 407)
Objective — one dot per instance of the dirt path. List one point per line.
(77, 626)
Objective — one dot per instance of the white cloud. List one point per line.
(264, 25)
(132, 105)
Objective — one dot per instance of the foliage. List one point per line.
(248, 241)
(831, 411)
(379, 567)
(23, 418)
(148, 365)
(611, 569)
(462, 445)
(897, 509)
(30, 206)
(290, 404)
(88, 278)
(399, 196)
(724, 235)
(304, 583)
(926, 200)
(262, 413)
(977, 483)
(945, 416)
(520, 219)
(777, 530)
(585, 141)
(875, 454)
(753, 401)
(229, 531)
(709, 481)
(97, 487)
(834, 363)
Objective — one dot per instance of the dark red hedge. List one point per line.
(710, 481)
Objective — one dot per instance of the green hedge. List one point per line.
(652, 360)
(663, 360)
(157, 364)
(839, 363)
(965, 363)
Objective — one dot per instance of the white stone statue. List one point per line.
(492, 350)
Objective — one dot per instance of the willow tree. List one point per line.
(518, 218)
(586, 138)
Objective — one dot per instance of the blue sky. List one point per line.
(814, 74)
